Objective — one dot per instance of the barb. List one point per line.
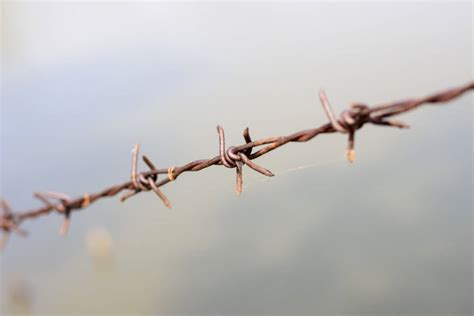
(348, 122)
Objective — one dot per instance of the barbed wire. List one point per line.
(233, 157)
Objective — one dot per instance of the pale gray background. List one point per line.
(389, 235)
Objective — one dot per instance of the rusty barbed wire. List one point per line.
(348, 122)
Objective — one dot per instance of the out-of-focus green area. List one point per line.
(389, 235)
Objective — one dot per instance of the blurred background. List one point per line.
(389, 235)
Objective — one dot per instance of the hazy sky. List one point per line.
(392, 234)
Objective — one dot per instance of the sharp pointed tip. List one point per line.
(351, 156)
(268, 173)
(401, 124)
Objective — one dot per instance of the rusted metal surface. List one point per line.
(348, 122)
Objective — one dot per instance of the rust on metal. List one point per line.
(348, 122)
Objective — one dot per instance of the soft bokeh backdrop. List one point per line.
(391, 234)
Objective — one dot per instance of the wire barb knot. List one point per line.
(144, 182)
(62, 205)
(9, 222)
(232, 158)
(348, 122)
(351, 120)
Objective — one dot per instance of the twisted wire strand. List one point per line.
(348, 122)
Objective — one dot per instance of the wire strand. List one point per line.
(348, 122)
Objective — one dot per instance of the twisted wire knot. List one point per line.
(61, 206)
(349, 121)
(9, 222)
(232, 158)
(352, 119)
(142, 182)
